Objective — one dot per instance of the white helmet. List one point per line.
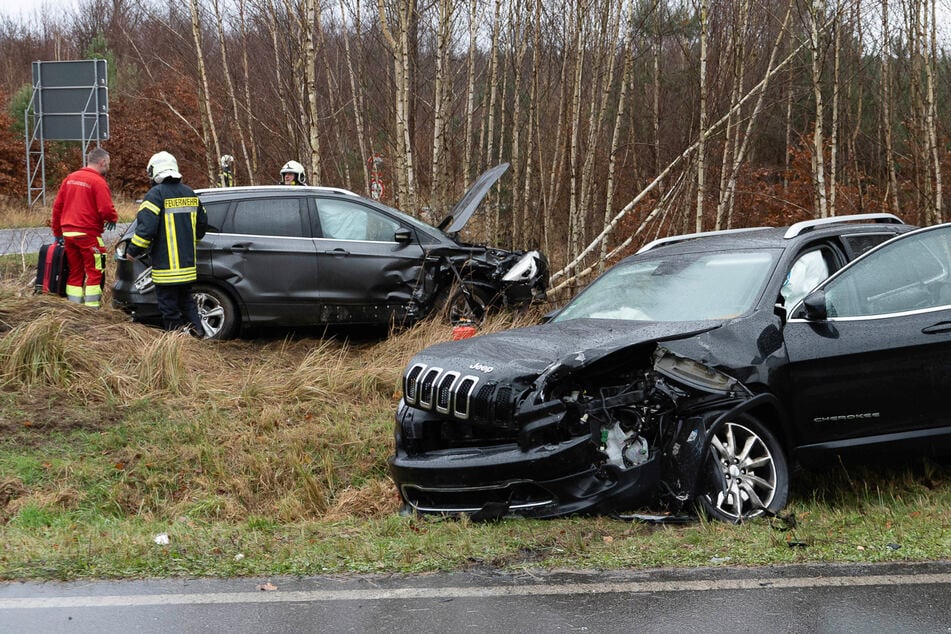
(161, 166)
(226, 161)
(295, 168)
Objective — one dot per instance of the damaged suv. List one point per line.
(312, 256)
(690, 374)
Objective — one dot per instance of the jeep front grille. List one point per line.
(445, 392)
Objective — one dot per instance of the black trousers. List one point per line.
(177, 306)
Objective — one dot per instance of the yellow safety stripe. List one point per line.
(101, 243)
(139, 241)
(171, 242)
(73, 234)
(155, 209)
(189, 274)
(74, 293)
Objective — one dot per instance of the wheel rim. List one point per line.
(212, 314)
(747, 472)
(466, 308)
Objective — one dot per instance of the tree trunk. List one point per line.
(399, 46)
(311, 11)
(229, 85)
(252, 161)
(212, 150)
(470, 91)
(357, 92)
(702, 143)
(834, 133)
(931, 127)
(575, 227)
(892, 192)
(619, 119)
(818, 160)
(441, 80)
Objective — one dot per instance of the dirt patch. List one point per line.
(34, 416)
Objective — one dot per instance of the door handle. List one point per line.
(338, 252)
(241, 247)
(941, 326)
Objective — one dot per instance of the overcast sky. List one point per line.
(30, 9)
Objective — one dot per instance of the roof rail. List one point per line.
(808, 225)
(689, 236)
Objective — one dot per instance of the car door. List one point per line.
(880, 361)
(366, 276)
(265, 252)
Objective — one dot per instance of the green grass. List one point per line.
(269, 457)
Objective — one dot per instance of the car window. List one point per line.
(805, 274)
(216, 215)
(910, 274)
(345, 220)
(269, 217)
(684, 287)
(859, 243)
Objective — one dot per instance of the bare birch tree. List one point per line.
(441, 82)
(886, 90)
(229, 84)
(818, 157)
(834, 132)
(702, 136)
(399, 46)
(356, 90)
(212, 149)
(312, 13)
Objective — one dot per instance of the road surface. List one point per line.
(813, 598)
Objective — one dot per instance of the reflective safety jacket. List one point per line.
(170, 222)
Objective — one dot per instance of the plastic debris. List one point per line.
(161, 539)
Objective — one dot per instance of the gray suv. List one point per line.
(305, 256)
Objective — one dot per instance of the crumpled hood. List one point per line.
(527, 352)
(471, 200)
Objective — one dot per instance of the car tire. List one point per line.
(748, 475)
(219, 315)
(468, 306)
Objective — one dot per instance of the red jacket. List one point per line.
(83, 204)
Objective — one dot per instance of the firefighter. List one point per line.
(82, 210)
(227, 171)
(293, 174)
(169, 223)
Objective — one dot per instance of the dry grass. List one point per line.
(292, 429)
(16, 213)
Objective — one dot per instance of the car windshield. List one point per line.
(682, 287)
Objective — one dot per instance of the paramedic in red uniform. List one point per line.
(82, 209)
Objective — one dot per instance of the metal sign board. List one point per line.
(71, 99)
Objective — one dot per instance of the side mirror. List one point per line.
(814, 306)
(403, 236)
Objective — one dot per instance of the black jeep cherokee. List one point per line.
(691, 372)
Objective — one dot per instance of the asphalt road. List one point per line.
(815, 598)
(30, 239)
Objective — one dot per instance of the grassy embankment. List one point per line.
(264, 457)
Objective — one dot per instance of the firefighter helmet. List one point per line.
(161, 166)
(295, 168)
